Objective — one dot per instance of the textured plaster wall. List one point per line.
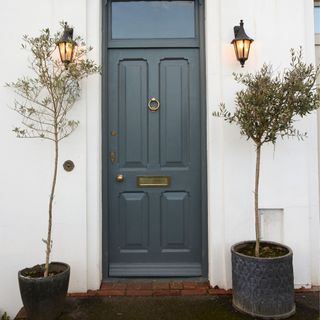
(289, 175)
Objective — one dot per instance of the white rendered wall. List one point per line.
(289, 174)
(289, 177)
(26, 165)
(317, 52)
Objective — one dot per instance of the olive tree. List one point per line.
(268, 106)
(45, 98)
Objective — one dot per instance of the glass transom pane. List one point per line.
(317, 19)
(153, 19)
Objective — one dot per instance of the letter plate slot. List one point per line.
(153, 181)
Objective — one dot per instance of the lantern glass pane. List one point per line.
(246, 48)
(235, 46)
(62, 51)
(240, 47)
(69, 51)
(66, 50)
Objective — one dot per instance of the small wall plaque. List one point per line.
(68, 165)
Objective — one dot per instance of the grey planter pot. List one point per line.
(263, 287)
(43, 298)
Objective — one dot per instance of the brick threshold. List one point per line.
(158, 288)
(153, 288)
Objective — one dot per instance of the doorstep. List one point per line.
(158, 287)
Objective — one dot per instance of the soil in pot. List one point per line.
(43, 298)
(267, 250)
(37, 271)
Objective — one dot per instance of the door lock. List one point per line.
(120, 178)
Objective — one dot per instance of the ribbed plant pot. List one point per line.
(43, 298)
(263, 287)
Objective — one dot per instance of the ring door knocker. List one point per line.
(153, 104)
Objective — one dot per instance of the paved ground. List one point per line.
(173, 308)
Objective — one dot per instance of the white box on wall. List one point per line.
(271, 224)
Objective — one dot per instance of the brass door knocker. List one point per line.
(153, 104)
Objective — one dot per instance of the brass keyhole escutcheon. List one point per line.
(68, 165)
(120, 178)
(153, 104)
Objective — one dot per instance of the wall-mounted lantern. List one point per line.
(241, 43)
(66, 46)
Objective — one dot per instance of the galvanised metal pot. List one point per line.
(263, 287)
(43, 298)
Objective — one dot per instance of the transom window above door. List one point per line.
(317, 17)
(153, 23)
(153, 19)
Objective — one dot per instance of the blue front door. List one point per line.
(153, 143)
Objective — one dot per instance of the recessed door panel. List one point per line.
(134, 222)
(174, 94)
(132, 77)
(174, 222)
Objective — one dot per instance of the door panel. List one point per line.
(154, 231)
(132, 116)
(174, 90)
(174, 222)
(134, 222)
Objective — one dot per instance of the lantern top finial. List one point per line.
(240, 34)
(67, 35)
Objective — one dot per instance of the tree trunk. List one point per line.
(256, 200)
(54, 180)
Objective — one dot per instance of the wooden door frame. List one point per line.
(203, 136)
